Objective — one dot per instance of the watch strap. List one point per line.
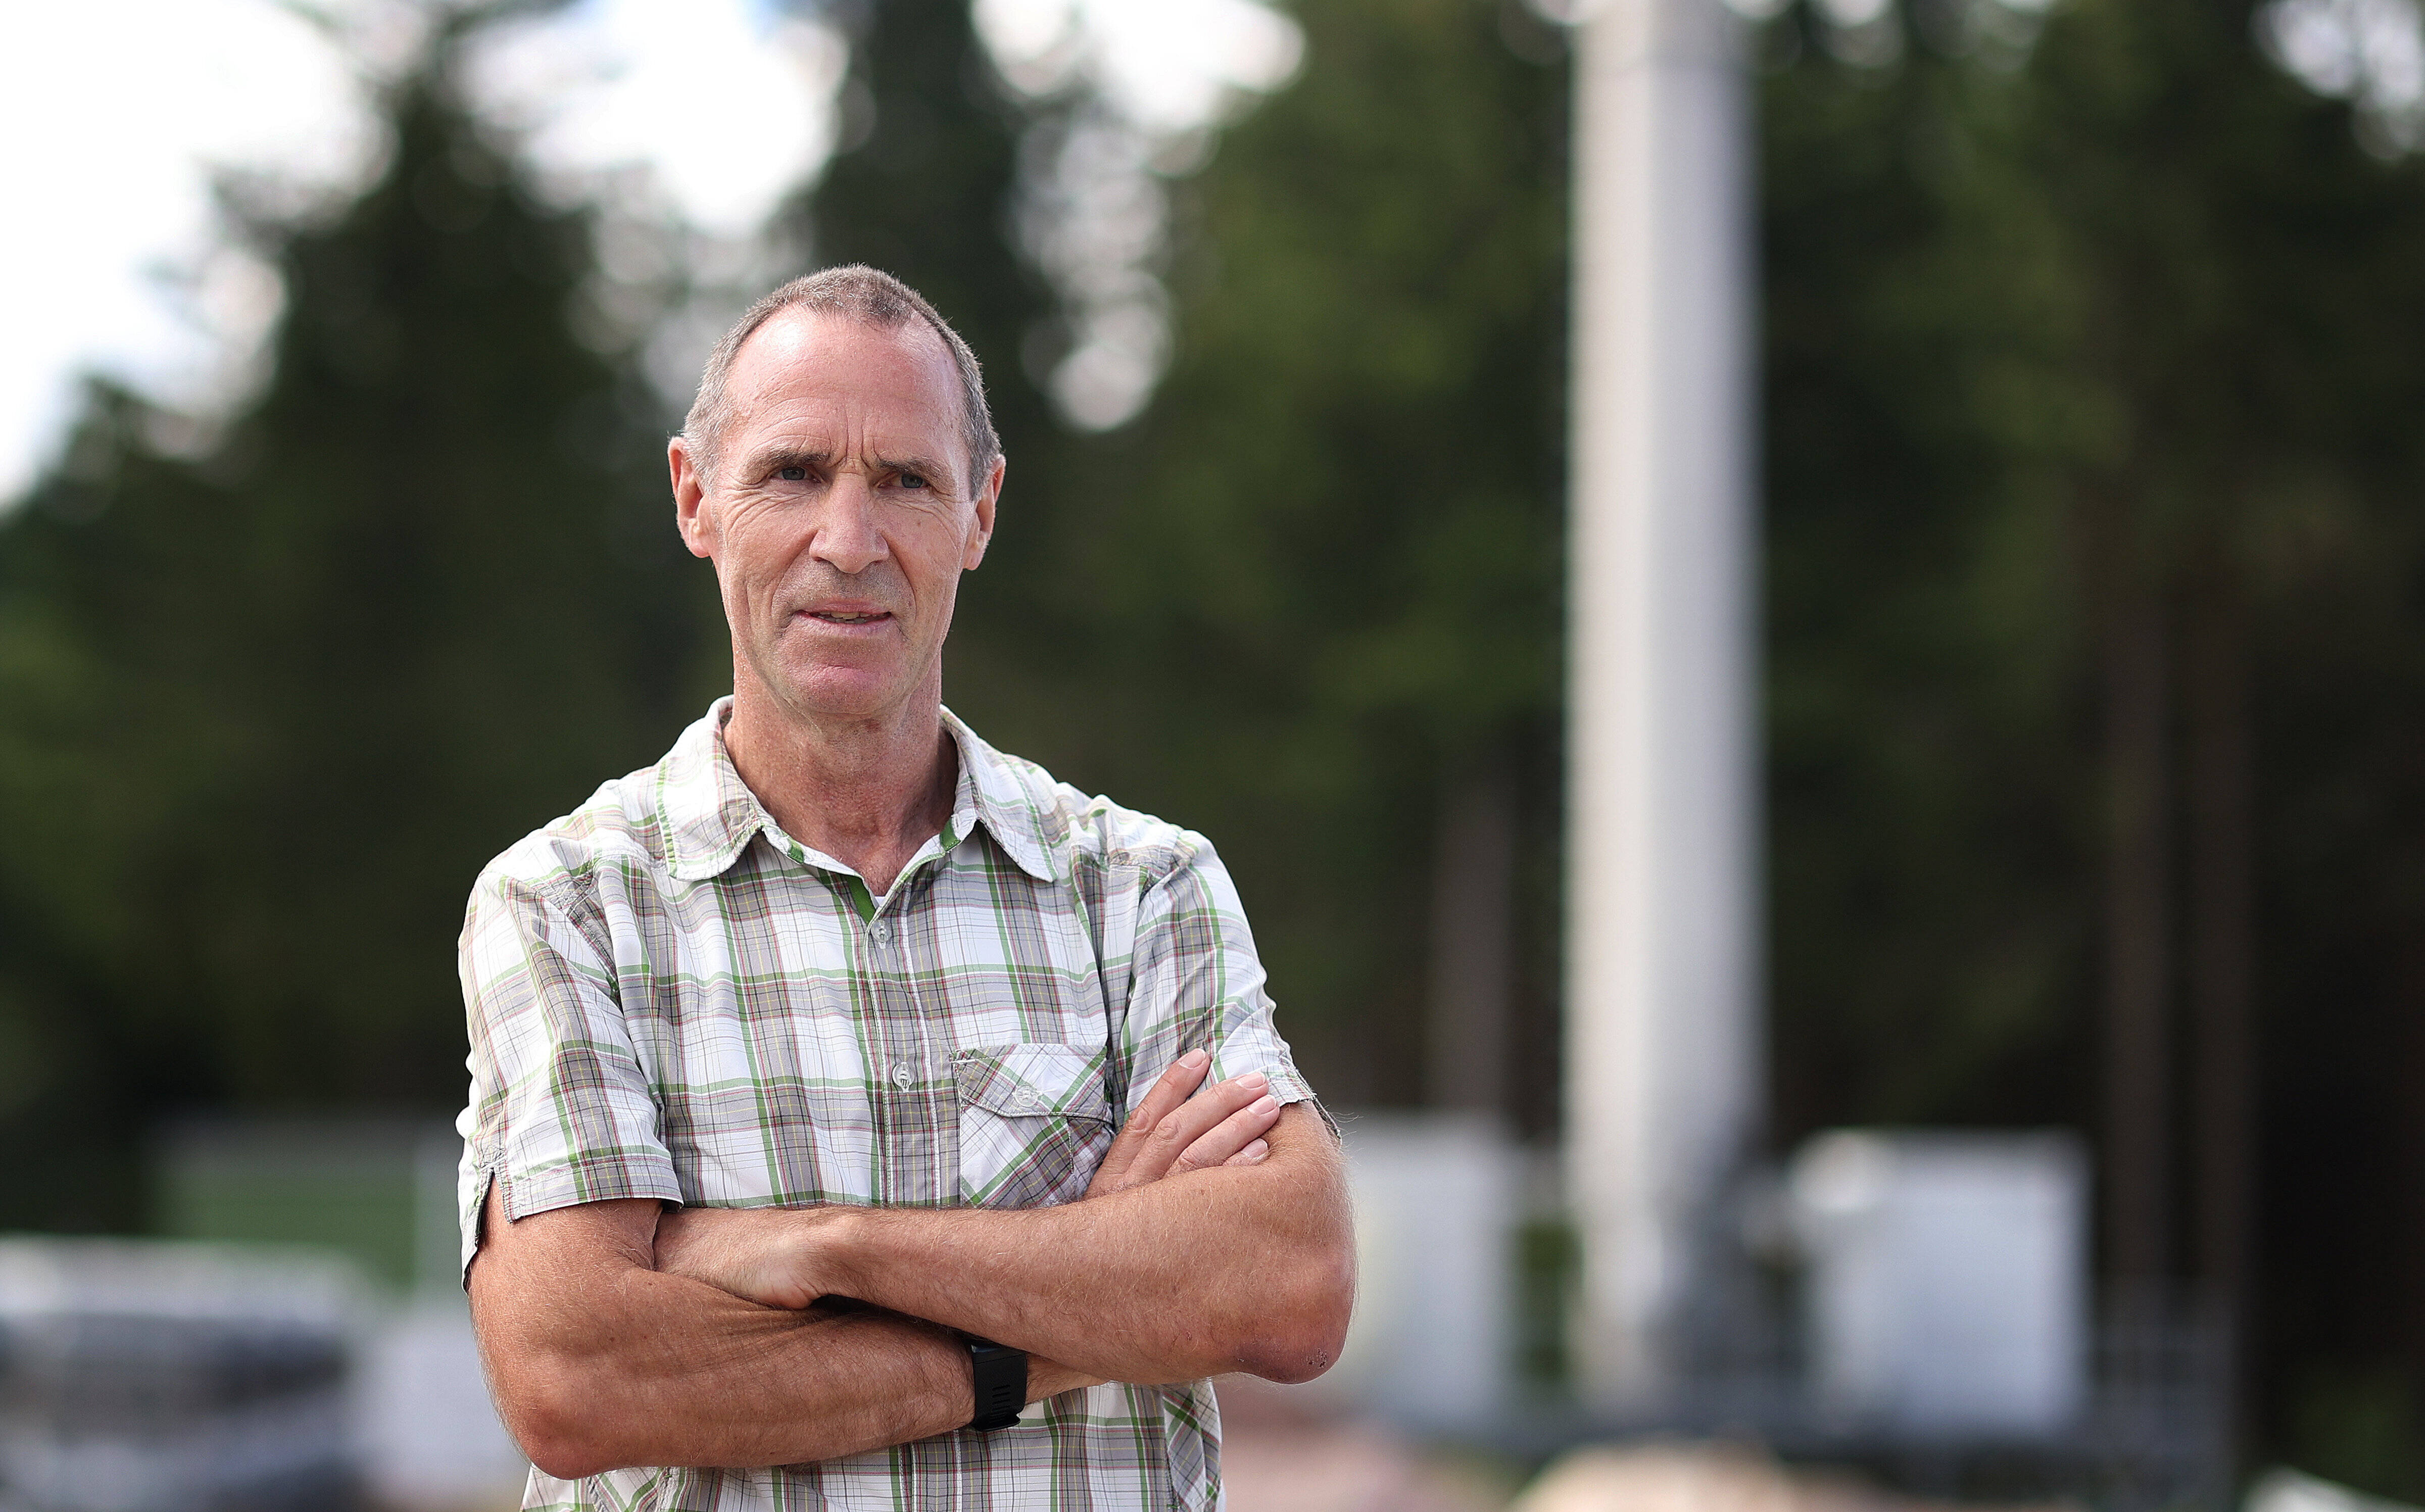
(1001, 1382)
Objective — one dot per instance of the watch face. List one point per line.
(1000, 1384)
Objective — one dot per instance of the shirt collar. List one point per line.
(710, 815)
(1009, 802)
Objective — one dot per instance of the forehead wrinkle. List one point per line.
(772, 395)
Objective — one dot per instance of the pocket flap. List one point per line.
(1033, 1081)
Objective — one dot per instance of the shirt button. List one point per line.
(1029, 1100)
(902, 1075)
(879, 931)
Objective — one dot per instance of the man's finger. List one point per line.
(1195, 1119)
(1168, 1093)
(1254, 1154)
(1231, 1136)
(1158, 1149)
(1172, 1089)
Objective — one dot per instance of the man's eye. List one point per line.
(913, 480)
(792, 474)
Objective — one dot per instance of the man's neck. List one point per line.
(867, 793)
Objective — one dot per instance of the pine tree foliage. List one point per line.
(927, 188)
(269, 710)
(1320, 571)
(2094, 585)
(1332, 545)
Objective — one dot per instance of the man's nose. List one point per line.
(848, 539)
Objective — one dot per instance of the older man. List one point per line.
(797, 1057)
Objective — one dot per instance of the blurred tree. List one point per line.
(1328, 558)
(1312, 591)
(927, 188)
(268, 709)
(1924, 721)
(2086, 410)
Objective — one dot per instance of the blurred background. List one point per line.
(341, 345)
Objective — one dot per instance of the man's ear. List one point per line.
(988, 495)
(692, 516)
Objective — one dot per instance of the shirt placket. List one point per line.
(913, 1137)
(917, 1158)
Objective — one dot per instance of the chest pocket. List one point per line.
(1034, 1124)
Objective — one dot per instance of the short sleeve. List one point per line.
(561, 1110)
(1195, 982)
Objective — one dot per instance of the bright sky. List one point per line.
(111, 109)
(1170, 66)
(119, 112)
(2369, 51)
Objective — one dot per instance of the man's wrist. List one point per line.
(1048, 1378)
(830, 1244)
(997, 1383)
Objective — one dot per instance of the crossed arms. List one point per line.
(1213, 1238)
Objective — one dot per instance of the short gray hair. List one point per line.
(858, 292)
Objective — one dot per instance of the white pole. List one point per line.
(1662, 951)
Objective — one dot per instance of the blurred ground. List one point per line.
(1290, 1449)
(1287, 1450)
(1681, 1477)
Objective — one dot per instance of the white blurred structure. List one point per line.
(2287, 1490)
(1687, 1477)
(428, 1436)
(1437, 1199)
(421, 1433)
(1948, 1281)
(1664, 953)
(141, 1376)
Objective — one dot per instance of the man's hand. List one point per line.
(1171, 1133)
(1223, 1268)
(599, 1361)
(762, 1255)
(770, 1255)
(602, 1354)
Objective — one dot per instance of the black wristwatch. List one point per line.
(1001, 1383)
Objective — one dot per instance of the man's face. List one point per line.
(841, 515)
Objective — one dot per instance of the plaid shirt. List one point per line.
(670, 998)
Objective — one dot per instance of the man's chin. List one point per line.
(843, 695)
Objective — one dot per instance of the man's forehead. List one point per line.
(800, 344)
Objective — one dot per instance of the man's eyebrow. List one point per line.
(767, 459)
(935, 473)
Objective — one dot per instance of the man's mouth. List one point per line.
(847, 617)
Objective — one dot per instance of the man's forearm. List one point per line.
(599, 1362)
(718, 1387)
(1220, 1270)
